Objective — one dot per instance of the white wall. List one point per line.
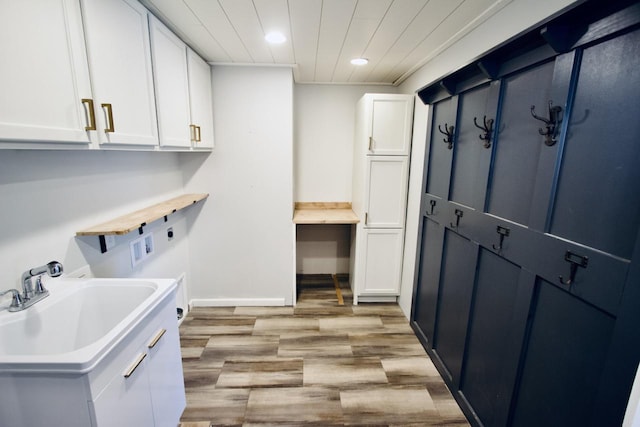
(324, 127)
(242, 238)
(46, 196)
(515, 18)
(323, 163)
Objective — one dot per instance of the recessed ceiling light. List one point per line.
(275, 37)
(359, 61)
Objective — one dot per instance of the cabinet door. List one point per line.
(390, 128)
(201, 100)
(44, 76)
(386, 191)
(126, 401)
(117, 34)
(382, 261)
(169, 56)
(165, 373)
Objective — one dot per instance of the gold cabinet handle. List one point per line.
(366, 218)
(135, 365)
(111, 126)
(198, 137)
(92, 115)
(155, 339)
(192, 132)
(370, 143)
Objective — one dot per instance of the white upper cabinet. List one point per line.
(389, 124)
(201, 101)
(169, 56)
(44, 75)
(117, 35)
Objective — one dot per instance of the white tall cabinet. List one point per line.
(380, 182)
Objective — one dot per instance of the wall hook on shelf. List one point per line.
(432, 204)
(551, 124)
(449, 133)
(459, 215)
(576, 261)
(503, 232)
(487, 127)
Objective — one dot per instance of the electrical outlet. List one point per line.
(148, 245)
(141, 249)
(137, 254)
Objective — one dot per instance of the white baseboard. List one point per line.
(377, 299)
(237, 302)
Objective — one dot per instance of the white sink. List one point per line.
(77, 324)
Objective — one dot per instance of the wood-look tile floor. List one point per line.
(318, 364)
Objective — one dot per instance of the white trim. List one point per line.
(237, 302)
(373, 298)
(252, 64)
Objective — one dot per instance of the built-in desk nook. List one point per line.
(308, 215)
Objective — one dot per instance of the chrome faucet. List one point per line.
(30, 294)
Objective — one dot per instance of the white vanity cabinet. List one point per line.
(137, 381)
(119, 51)
(143, 384)
(380, 184)
(44, 77)
(201, 101)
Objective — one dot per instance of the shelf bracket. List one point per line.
(103, 243)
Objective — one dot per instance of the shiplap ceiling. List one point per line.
(396, 36)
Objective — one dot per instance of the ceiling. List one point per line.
(396, 36)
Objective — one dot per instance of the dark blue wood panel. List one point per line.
(598, 196)
(440, 156)
(471, 158)
(563, 361)
(456, 287)
(519, 144)
(496, 328)
(426, 297)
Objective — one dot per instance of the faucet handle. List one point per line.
(39, 288)
(16, 300)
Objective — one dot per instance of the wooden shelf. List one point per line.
(138, 219)
(324, 213)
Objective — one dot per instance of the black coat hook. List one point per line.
(487, 128)
(449, 133)
(503, 232)
(432, 203)
(576, 261)
(459, 215)
(551, 124)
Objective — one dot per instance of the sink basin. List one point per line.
(77, 324)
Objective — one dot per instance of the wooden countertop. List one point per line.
(324, 213)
